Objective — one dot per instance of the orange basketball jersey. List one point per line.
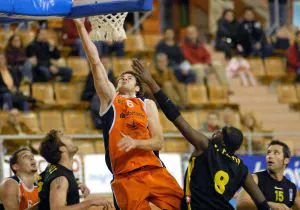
(27, 197)
(126, 116)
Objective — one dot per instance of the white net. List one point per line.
(108, 27)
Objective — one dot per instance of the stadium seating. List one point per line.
(287, 94)
(43, 92)
(75, 121)
(257, 67)
(275, 67)
(79, 66)
(50, 120)
(196, 94)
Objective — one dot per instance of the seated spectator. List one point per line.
(227, 33)
(17, 60)
(89, 92)
(185, 74)
(251, 37)
(45, 50)
(14, 125)
(114, 48)
(166, 79)
(198, 56)
(293, 57)
(229, 118)
(10, 97)
(212, 123)
(281, 39)
(239, 66)
(169, 47)
(250, 125)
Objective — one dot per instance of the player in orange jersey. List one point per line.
(20, 191)
(132, 137)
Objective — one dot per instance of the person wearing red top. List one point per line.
(200, 58)
(293, 57)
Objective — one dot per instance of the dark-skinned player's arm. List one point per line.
(244, 201)
(255, 193)
(196, 138)
(104, 88)
(58, 197)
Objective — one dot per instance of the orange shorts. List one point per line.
(156, 185)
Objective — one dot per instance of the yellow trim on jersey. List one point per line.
(187, 182)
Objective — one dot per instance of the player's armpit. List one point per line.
(199, 140)
(9, 194)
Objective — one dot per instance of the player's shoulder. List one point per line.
(9, 184)
(290, 183)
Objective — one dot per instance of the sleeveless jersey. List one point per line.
(126, 116)
(283, 191)
(52, 172)
(212, 179)
(27, 197)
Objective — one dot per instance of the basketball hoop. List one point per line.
(109, 27)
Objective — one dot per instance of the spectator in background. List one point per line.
(283, 12)
(45, 50)
(185, 74)
(89, 92)
(293, 57)
(229, 118)
(169, 47)
(239, 66)
(251, 37)
(14, 125)
(9, 95)
(71, 37)
(17, 60)
(198, 56)
(166, 79)
(227, 33)
(212, 123)
(251, 125)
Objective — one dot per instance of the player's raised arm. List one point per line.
(196, 138)
(104, 87)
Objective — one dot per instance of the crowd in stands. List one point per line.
(177, 63)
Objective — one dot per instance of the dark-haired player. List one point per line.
(59, 189)
(20, 191)
(278, 190)
(214, 173)
(132, 132)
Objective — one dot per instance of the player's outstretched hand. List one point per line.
(142, 71)
(102, 202)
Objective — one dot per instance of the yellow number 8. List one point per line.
(221, 179)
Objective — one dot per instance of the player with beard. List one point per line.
(59, 189)
(20, 191)
(278, 190)
(214, 173)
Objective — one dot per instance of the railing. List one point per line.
(249, 137)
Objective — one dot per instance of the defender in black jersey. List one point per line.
(278, 190)
(214, 173)
(58, 184)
